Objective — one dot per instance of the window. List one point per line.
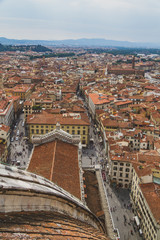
(42, 131)
(84, 127)
(114, 173)
(37, 131)
(84, 132)
(115, 163)
(73, 131)
(72, 127)
(46, 131)
(67, 131)
(78, 127)
(127, 175)
(127, 164)
(120, 169)
(46, 126)
(32, 130)
(121, 164)
(127, 170)
(114, 168)
(36, 126)
(121, 174)
(41, 126)
(67, 127)
(83, 142)
(78, 132)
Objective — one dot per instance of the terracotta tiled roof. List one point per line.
(45, 118)
(98, 98)
(58, 162)
(151, 192)
(46, 225)
(123, 103)
(4, 128)
(142, 169)
(92, 192)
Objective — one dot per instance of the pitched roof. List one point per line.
(151, 192)
(98, 98)
(55, 162)
(4, 127)
(46, 118)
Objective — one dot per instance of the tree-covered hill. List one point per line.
(24, 48)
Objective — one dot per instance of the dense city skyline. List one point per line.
(55, 20)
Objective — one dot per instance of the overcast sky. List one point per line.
(131, 20)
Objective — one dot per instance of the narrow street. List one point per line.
(118, 199)
(94, 153)
(19, 149)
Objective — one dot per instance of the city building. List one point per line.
(120, 171)
(5, 134)
(145, 199)
(27, 108)
(97, 101)
(72, 123)
(23, 91)
(57, 157)
(6, 111)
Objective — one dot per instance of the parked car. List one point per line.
(12, 139)
(17, 138)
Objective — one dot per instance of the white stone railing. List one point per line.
(56, 134)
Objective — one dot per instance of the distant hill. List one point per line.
(23, 48)
(83, 42)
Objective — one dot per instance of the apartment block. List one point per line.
(145, 199)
